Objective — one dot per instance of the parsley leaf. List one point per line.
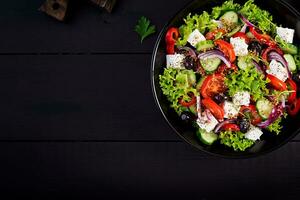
(143, 28)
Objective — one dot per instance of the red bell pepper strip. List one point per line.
(230, 127)
(294, 108)
(188, 103)
(276, 83)
(214, 108)
(227, 49)
(263, 38)
(171, 38)
(293, 86)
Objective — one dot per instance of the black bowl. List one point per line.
(284, 14)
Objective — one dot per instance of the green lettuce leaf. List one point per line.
(235, 140)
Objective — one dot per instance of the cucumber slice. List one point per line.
(234, 31)
(191, 76)
(204, 45)
(210, 64)
(243, 63)
(199, 84)
(230, 17)
(264, 108)
(290, 49)
(291, 62)
(206, 137)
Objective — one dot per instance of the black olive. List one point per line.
(296, 78)
(255, 47)
(220, 98)
(244, 124)
(186, 117)
(189, 63)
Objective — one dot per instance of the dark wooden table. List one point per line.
(78, 118)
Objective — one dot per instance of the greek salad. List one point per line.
(232, 74)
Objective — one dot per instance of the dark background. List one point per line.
(78, 120)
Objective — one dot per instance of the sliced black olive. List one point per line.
(189, 63)
(186, 117)
(255, 47)
(244, 124)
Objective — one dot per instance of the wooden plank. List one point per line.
(25, 30)
(48, 170)
(79, 97)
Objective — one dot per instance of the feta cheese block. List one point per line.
(230, 110)
(195, 37)
(207, 121)
(239, 45)
(175, 61)
(278, 70)
(241, 98)
(286, 34)
(253, 133)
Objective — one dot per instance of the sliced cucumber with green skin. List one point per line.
(264, 108)
(204, 45)
(199, 84)
(210, 64)
(243, 63)
(291, 62)
(234, 31)
(191, 76)
(206, 137)
(290, 49)
(193, 109)
(230, 17)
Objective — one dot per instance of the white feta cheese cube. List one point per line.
(230, 110)
(195, 37)
(241, 98)
(253, 133)
(239, 45)
(175, 61)
(286, 34)
(278, 70)
(207, 121)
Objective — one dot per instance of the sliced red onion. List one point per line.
(215, 54)
(283, 101)
(273, 55)
(258, 67)
(246, 21)
(207, 112)
(190, 51)
(220, 125)
(277, 111)
(243, 30)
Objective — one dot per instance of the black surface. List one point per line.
(78, 118)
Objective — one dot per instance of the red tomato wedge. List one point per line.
(276, 83)
(253, 114)
(214, 108)
(212, 85)
(227, 49)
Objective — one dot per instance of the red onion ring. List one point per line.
(215, 54)
(220, 125)
(258, 67)
(273, 55)
(277, 111)
(243, 30)
(246, 21)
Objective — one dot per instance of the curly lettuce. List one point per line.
(201, 22)
(247, 80)
(262, 18)
(235, 140)
(226, 6)
(175, 85)
(276, 126)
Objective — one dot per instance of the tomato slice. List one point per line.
(212, 85)
(243, 36)
(294, 108)
(171, 38)
(276, 83)
(252, 112)
(223, 69)
(188, 103)
(211, 35)
(227, 49)
(214, 108)
(230, 127)
(293, 86)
